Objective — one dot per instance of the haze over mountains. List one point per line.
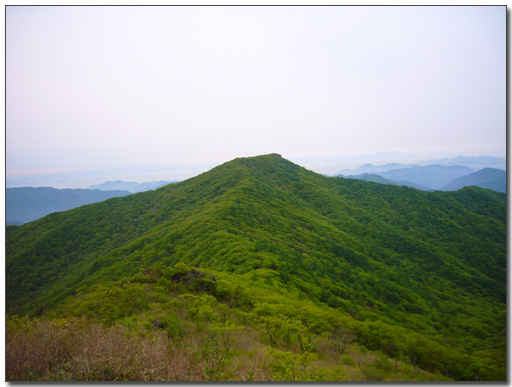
(86, 178)
(346, 165)
(490, 178)
(382, 180)
(23, 206)
(445, 172)
(296, 258)
(130, 185)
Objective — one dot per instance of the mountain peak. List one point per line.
(271, 157)
(266, 156)
(272, 166)
(263, 164)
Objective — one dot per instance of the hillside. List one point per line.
(418, 276)
(26, 204)
(489, 178)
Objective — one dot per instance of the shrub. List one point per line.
(348, 360)
(372, 374)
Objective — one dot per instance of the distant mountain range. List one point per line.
(370, 168)
(474, 163)
(471, 162)
(432, 176)
(26, 204)
(130, 185)
(382, 180)
(490, 178)
(445, 175)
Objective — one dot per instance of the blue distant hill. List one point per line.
(490, 178)
(26, 204)
(432, 176)
(379, 179)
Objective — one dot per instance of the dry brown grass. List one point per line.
(81, 350)
(84, 351)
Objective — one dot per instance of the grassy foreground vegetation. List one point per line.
(297, 277)
(176, 325)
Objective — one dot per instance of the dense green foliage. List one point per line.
(167, 324)
(419, 276)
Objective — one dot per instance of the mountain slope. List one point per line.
(489, 178)
(429, 263)
(26, 204)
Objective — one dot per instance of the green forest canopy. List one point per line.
(410, 273)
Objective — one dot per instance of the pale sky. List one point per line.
(104, 87)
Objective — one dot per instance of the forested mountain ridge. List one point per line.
(431, 263)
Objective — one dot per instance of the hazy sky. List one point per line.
(104, 87)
